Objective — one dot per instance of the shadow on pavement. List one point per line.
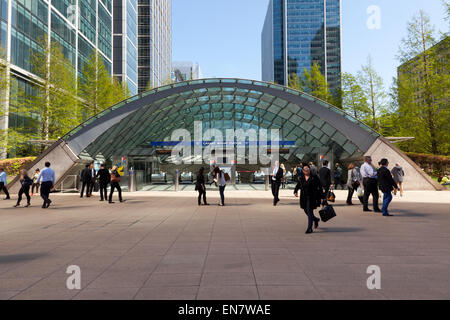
(340, 230)
(20, 257)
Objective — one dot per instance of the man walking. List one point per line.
(325, 179)
(104, 178)
(47, 180)
(369, 175)
(277, 175)
(3, 183)
(338, 177)
(387, 185)
(92, 176)
(86, 181)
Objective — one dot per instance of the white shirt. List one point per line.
(274, 174)
(367, 171)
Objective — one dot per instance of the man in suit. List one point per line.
(86, 181)
(277, 175)
(104, 178)
(370, 182)
(92, 175)
(387, 185)
(325, 179)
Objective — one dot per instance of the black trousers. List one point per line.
(115, 185)
(45, 191)
(24, 190)
(87, 185)
(201, 193)
(275, 191)
(309, 211)
(3, 188)
(371, 188)
(35, 185)
(103, 191)
(91, 187)
(351, 191)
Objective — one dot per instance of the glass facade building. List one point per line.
(154, 43)
(126, 43)
(298, 34)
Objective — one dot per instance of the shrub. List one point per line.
(13, 166)
(432, 164)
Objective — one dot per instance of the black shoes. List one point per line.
(28, 205)
(377, 210)
(367, 210)
(17, 205)
(316, 223)
(7, 198)
(48, 203)
(388, 215)
(309, 231)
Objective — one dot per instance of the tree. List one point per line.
(98, 90)
(4, 91)
(294, 82)
(353, 98)
(373, 88)
(55, 102)
(423, 87)
(316, 84)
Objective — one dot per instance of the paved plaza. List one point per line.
(161, 245)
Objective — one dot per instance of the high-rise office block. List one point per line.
(184, 70)
(299, 33)
(154, 43)
(126, 43)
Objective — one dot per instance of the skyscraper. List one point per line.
(185, 70)
(299, 33)
(154, 43)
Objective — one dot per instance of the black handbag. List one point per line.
(327, 213)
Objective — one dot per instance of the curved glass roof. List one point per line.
(221, 104)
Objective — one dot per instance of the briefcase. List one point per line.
(327, 213)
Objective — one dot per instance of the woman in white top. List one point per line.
(222, 183)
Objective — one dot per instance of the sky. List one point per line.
(224, 36)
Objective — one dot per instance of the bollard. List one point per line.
(131, 181)
(177, 180)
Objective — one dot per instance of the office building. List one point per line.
(184, 70)
(154, 43)
(299, 33)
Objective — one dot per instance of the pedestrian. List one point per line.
(25, 182)
(115, 184)
(310, 197)
(298, 172)
(353, 182)
(338, 177)
(47, 180)
(104, 178)
(222, 183)
(398, 174)
(387, 185)
(277, 175)
(200, 186)
(86, 181)
(35, 185)
(313, 168)
(283, 179)
(369, 176)
(325, 179)
(93, 180)
(3, 183)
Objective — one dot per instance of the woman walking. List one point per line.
(222, 183)
(398, 174)
(353, 182)
(25, 182)
(201, 187)
(310, 197)
(387, 185)
(115, 180)
(35, 185)
(283, 180)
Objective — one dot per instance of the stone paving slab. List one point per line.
(163, 246)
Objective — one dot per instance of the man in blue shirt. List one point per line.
(47, 179)
(370, 182)
(3, 183)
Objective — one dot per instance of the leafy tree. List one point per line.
(55, 102)
(423, 84)
(294, 82)
(353, 97)
(373, 88)
(98, 90)
(316, 84)
(4, 89)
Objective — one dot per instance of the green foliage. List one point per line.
(353, 98)
(294, 82)
(13, 166)
(423, 95)
(316, 84)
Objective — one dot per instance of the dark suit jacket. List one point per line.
(278, 176)
(311, 189)
(325, 177)
(86, 175)
(104, 176)
(385, 180)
